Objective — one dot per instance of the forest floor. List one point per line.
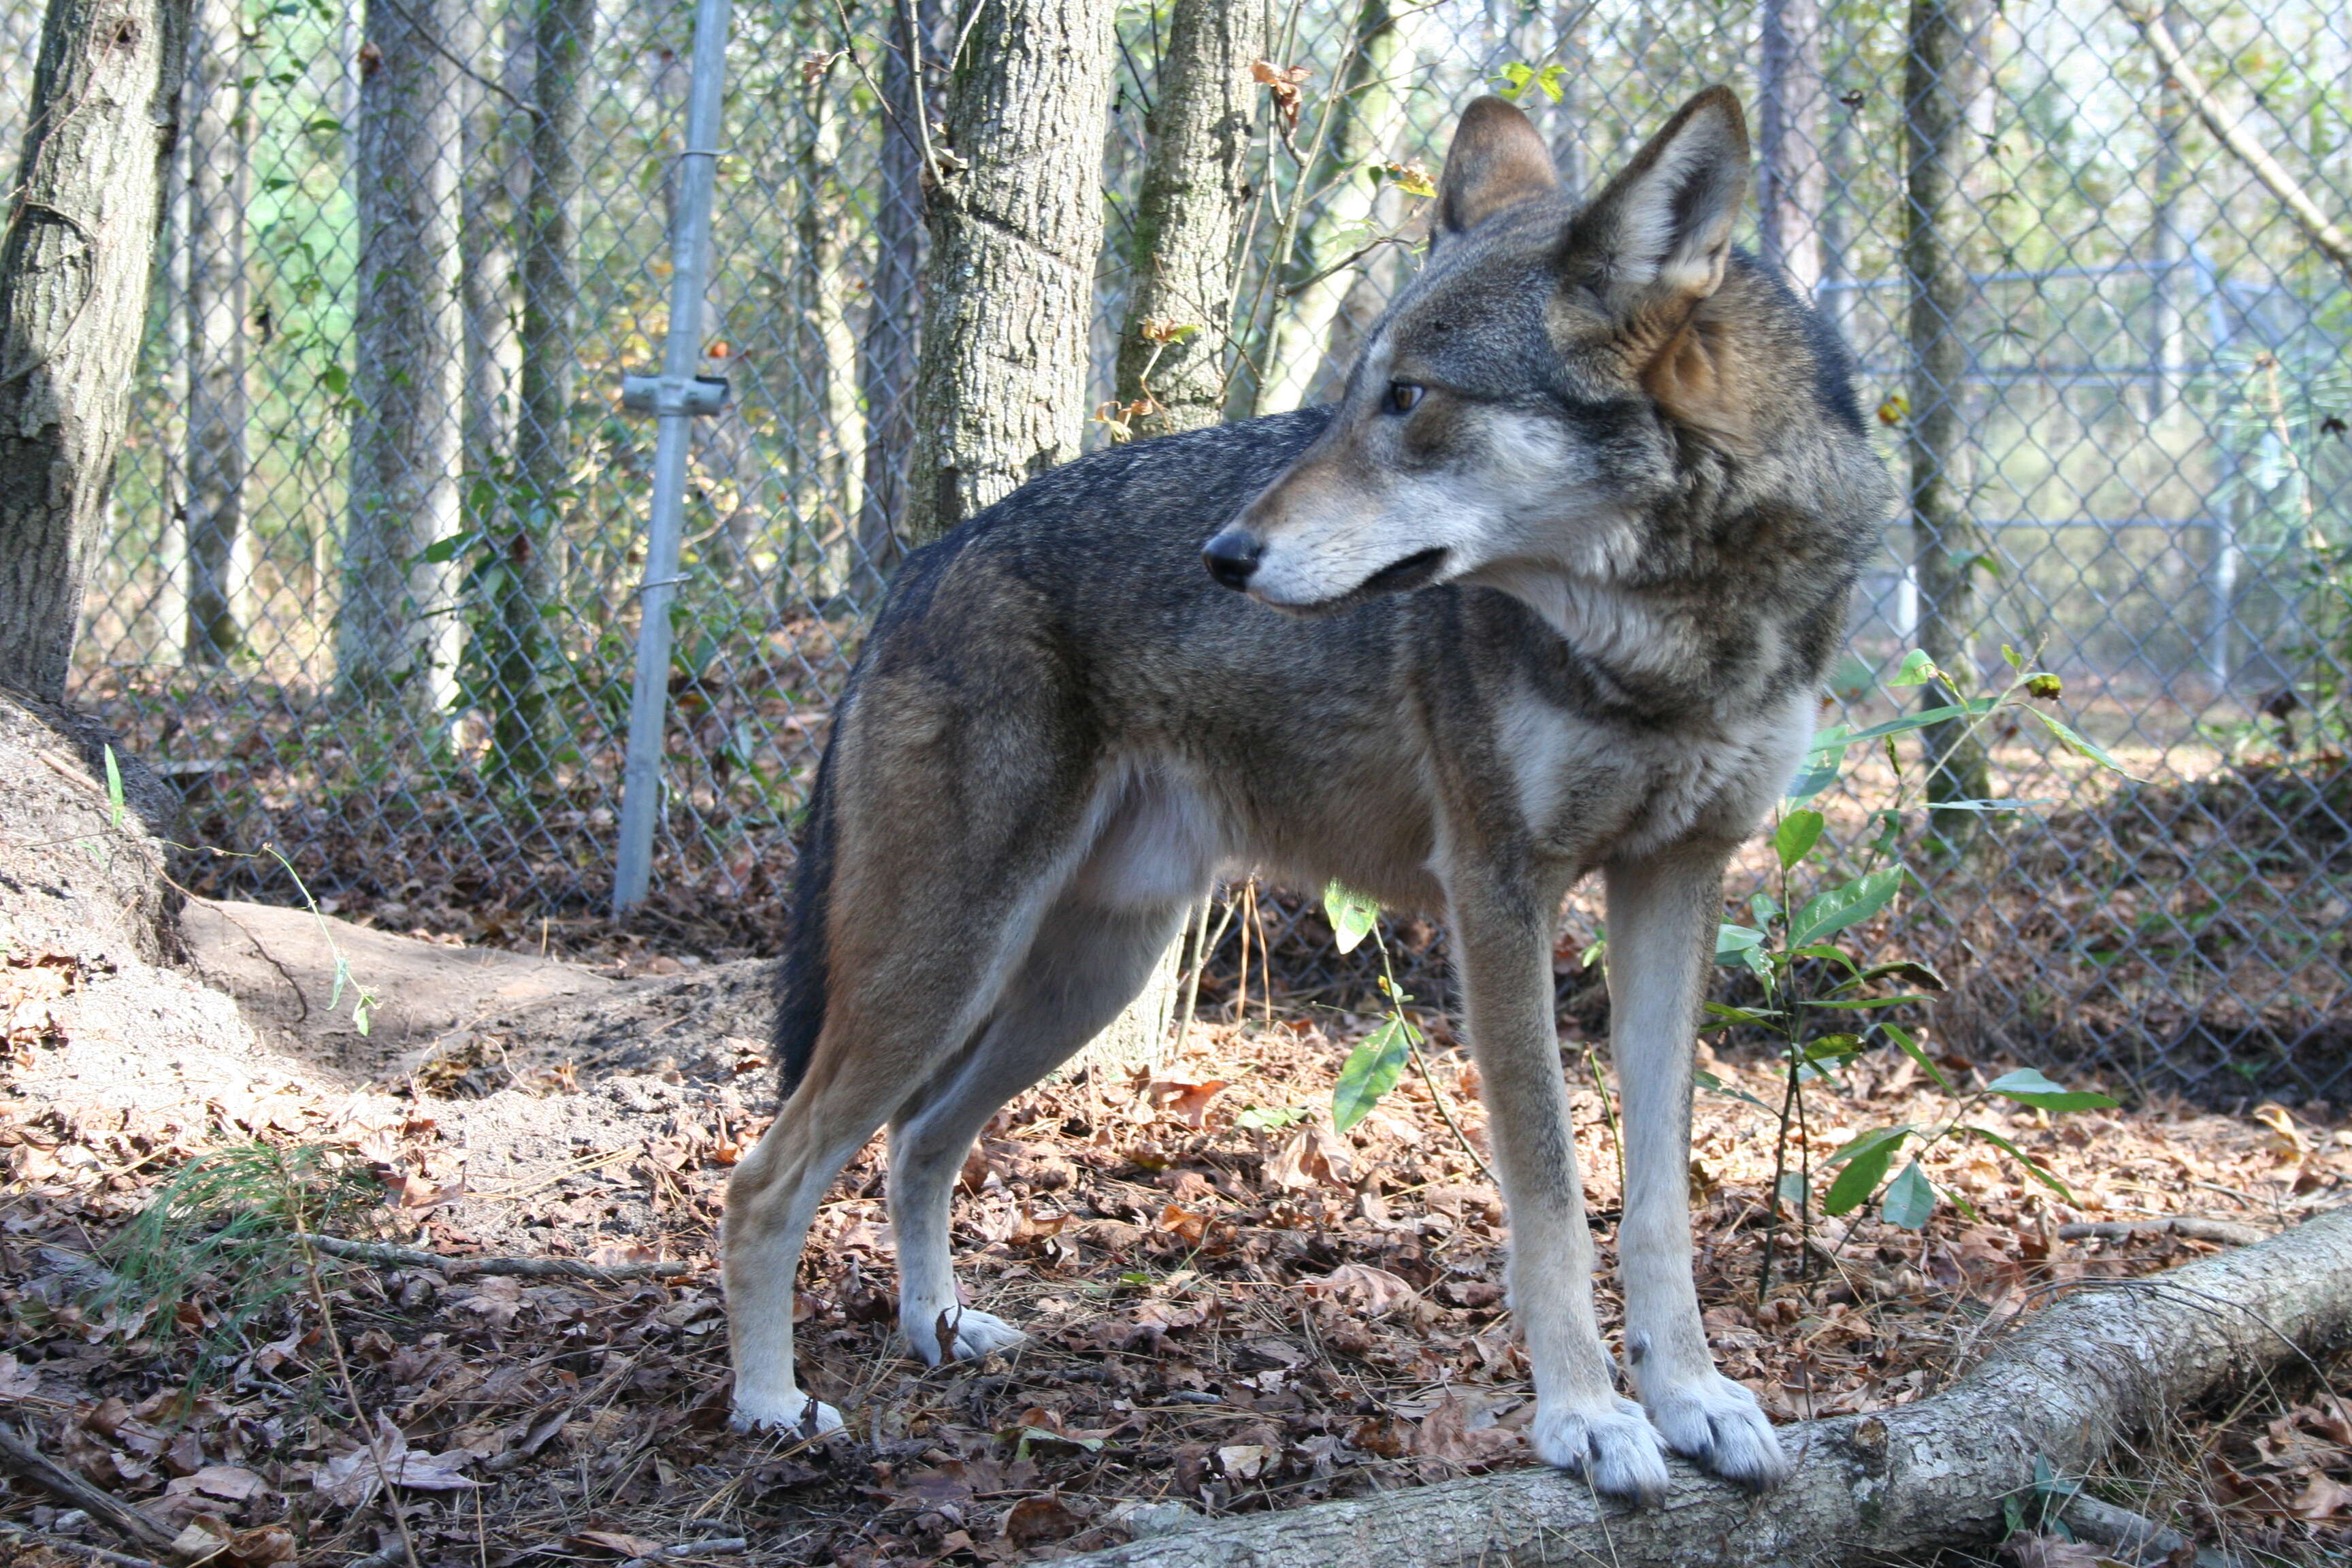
(1233, 1306)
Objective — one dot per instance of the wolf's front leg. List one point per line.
(1663, 912)
(1581, 1425)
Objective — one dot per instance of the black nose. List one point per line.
(1230, 556)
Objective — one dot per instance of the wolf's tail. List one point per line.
(801, 980)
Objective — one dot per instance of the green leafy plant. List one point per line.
(1517, 80)
(1822, 1003)
(221, 1244)
(1379, 1061)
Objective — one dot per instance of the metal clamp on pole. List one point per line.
(661, 394)
(675, 396)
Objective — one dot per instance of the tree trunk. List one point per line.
(833, 440)
(1837, 296)
(166, 634)
(218, 547)
(492, 170)
(1365, 118)
(1791, 178)
(534, 549)
(1942, 81)
(75, 265)
(893, 336)
(1195, 187)
(2168, 345)
(1016, 221)
(2111, 1357)
(397, 627)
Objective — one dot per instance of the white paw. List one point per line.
(970, 1335)
(1717, 1426)
(1611, 1445)
(795, 1415)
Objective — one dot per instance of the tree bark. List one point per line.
(166, 606)
(534, 548)
(398, 628)
(2168, 346)
(492, 170)
(1016, 221)
(1942, 81)
(1195, 188)
(893, 338)
(215, 305)
(833, 436)
(1835, 295)
(2111, 1359)
(1791, 176)
(75, 265)
(1366, 117)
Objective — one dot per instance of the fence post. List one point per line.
(677, 396)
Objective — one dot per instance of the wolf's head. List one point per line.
(1546, 380)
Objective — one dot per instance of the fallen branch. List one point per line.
(24, 1536)
(385, 1256)
(718, 1546)
(2113, 1357)
(2314, 222)
(20, 1458)
(2193, 1226)
(2136, 1537)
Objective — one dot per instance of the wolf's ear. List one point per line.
(1498, 158)
(1662, 229)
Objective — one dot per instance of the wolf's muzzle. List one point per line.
(1232, 555)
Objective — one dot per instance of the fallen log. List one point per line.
(2111, 1358)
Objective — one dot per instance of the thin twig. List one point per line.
(2331, 240)
(368, 1433)
(1413, 1050)
(385, 1256)
(20, 1458)
(920, 143)
(718, 1546)
(2193, 1226)
(58, 1544)
(1288, 290)
(1446, 1111)
(430, 36)
(1608, 1115)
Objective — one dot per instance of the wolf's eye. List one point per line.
(1403, 395)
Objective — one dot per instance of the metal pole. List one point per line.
(677, 399)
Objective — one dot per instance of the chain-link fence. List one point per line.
(371, 593)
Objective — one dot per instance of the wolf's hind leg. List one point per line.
(1086, 964)
(893, 1019)
(1662, 917)
(772, 1197)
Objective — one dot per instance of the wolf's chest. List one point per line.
(1587, 790)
